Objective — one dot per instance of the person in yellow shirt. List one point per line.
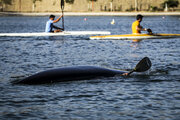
(137, 28)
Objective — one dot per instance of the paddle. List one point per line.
(142, 66)
(62, 8)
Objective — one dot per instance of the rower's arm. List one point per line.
(125, 74)
(56, 27)
(55, 21)
(144, 29)
(140, 28)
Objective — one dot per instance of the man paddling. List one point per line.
(137, 28)
(49, 25)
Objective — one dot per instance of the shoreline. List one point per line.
(92, 14)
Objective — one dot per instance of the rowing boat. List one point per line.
(64, 33)
(135, 36)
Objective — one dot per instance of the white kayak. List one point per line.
(64, 33)
(134, 36)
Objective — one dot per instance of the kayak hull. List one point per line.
(69, 74)
(64, 33)
(134, 36)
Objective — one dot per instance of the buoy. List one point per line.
(113, 22)
(85, 19)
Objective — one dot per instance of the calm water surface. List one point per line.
(154, 95)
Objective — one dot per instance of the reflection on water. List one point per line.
(151, 95)
(137, 40)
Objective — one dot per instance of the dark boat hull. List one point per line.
(69, 74)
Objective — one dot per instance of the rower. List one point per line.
(137, 28)
(49, 25)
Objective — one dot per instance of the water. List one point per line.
(154, 95)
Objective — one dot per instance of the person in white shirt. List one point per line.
(52, 28)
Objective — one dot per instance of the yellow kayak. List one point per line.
(135, 36)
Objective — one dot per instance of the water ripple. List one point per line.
(150, 95)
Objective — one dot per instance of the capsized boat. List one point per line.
(74, 73)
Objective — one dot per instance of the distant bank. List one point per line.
(91, 13)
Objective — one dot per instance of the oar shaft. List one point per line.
(131, 72)
(63, 19)
(62, 8)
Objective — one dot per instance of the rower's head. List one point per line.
(139, 17)
(51, 17)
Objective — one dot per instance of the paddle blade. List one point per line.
(62, 4)
(143, 65)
